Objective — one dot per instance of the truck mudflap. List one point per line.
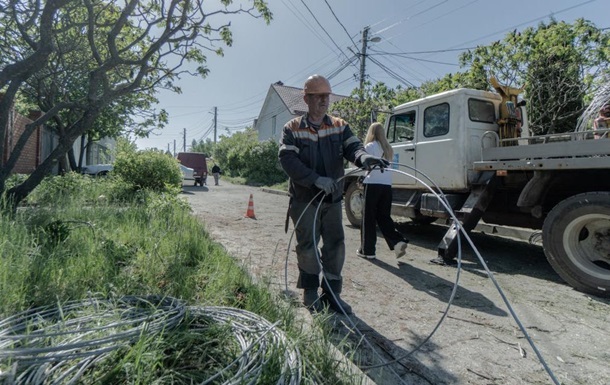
(469, 215)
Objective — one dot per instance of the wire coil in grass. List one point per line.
(259, 340)
(57, 344)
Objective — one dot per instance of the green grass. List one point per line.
(76, 239)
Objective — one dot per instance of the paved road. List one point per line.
(397, 304)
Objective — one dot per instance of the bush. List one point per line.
(72, 186)
(152, 170)
(242, 155)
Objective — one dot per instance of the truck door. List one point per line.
(401, 134)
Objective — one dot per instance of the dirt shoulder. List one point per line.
(397, 304)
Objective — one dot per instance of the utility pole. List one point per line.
(365, 41)
(184, 139)
(174, 147)
(215, 122)
(365, 37)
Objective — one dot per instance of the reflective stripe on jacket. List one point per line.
(299, 154)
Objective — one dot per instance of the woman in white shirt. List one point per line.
(378, 200)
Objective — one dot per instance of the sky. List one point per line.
(419, 40)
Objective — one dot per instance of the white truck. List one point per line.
(559, 184)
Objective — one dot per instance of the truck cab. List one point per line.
(446, 129)
(437, 138)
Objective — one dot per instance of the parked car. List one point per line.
(187, 172)
(96, 169)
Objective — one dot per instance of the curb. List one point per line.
(276, 192)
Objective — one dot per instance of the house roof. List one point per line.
(293, 98)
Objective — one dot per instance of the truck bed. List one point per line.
(567, 151)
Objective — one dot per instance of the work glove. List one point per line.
(326, 184)
(370, 161)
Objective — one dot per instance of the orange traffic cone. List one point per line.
(250, 212)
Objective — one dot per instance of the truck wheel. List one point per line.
(354, 203)
(576, 239)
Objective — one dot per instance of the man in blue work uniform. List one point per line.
(312, 150)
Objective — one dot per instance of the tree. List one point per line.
(471, 79)
(207, 147)
(558, 63)
(359, 110)
(133, 48)
(243, 155)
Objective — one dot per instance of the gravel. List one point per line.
(398, 303)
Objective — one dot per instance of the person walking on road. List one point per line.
(378, 200)
(216, 172)
(312, 149)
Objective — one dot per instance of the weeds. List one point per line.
(141, 244)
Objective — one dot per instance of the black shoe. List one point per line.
(312, 301)
(335, 303)
(443, 262)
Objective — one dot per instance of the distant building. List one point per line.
(38, 146)
(281, 104)
(43, 141)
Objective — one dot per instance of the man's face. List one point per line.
(606, 111)
(317, 103)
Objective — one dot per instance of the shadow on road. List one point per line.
(384, 361)
(440, 288)
(190, 190)
(502, 255)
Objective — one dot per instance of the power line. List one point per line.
(419, 59)
(341, 24)
(414, 15)
(324, 29)
(393, 74)
(530, 21)
(434, 19)
(421, 52)
(301, 18)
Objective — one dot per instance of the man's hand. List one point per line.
(370, 161)
(326, 184)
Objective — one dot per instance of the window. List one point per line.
(481, 111)
(401, 127)
(436, 120)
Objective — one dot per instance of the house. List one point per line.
(38, 146)
(42, 141)
(281, 104)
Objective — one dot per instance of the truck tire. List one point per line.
(576, 240)
(354, 203)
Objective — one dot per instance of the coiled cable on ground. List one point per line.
(259, 340)
(57, 344)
